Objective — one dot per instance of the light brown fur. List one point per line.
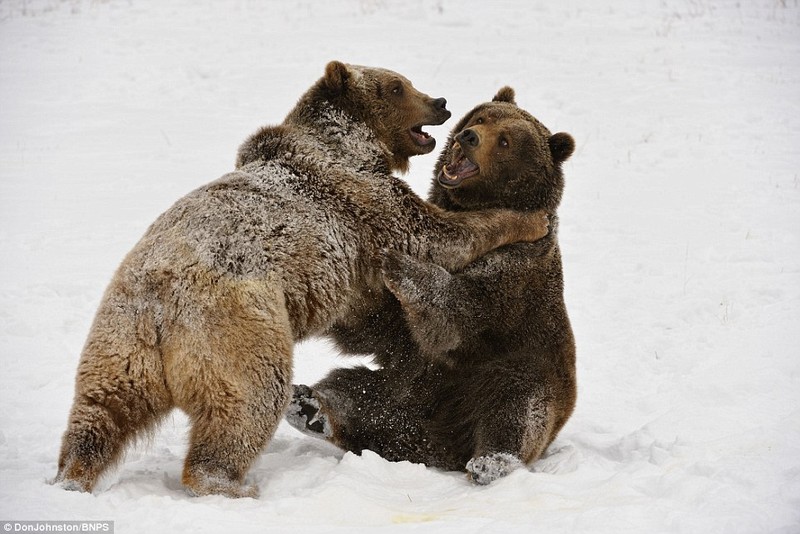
(203, 313)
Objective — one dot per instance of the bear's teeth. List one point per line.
(420, 137)
(419, 131)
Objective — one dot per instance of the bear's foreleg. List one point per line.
(440, 309)
(466, 236)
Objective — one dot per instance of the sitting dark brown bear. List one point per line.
(477, 367)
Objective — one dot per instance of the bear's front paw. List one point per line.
(538, 225)
(397, 275)
(488, 468)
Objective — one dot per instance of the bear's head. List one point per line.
(499, 155)
(386, 102)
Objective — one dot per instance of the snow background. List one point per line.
(680, 230)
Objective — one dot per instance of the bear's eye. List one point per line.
(397, 89)
(479, 120)
(503, 142)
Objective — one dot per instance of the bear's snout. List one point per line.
(439, 106)
(468, 137)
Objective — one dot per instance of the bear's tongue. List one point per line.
(420, 137)
(457, 171)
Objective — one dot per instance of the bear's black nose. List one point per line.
(440, 103)
(468, 137)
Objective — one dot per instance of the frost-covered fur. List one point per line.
(203, 313)
(477, 365)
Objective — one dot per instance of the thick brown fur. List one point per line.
(203, 313)
(477, 366)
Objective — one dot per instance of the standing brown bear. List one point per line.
(203, 313)
(477, 366)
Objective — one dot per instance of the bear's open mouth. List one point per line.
(458, 170)
(421, 138)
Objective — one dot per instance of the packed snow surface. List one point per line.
(680, 230)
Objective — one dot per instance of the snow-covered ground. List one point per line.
(680, 230)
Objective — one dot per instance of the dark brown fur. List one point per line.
(477, 367)
(203, 313)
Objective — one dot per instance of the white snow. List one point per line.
(680, 229)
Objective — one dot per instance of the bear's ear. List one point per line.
(562, 145)
(336, 76)
(505, 94)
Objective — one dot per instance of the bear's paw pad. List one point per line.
(305, 414)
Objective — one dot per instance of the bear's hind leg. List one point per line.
(487, 468)
(230, 371)
(227, 438)
(308, 415)
(516, 437)
(499, 416)
(338, 409)
(119, 395)
(358, 408)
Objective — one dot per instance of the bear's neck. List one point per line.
(345, 140)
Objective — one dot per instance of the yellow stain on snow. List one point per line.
(413, 518)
